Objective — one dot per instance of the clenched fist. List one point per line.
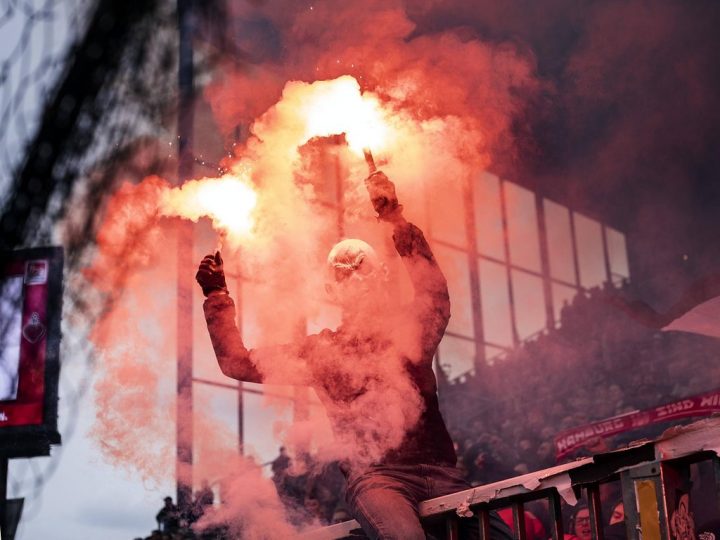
(210, 274)
(383, 197)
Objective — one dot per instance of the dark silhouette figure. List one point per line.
(168, 518)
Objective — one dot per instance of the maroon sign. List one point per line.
(572, 439)
(22, 364)
(30, 311)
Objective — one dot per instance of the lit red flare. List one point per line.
(337, 106)
(228, 201)
(370, 160)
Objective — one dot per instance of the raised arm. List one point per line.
(232, 356)
(281, 364)
(431, 304)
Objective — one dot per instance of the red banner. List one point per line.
(572, 439)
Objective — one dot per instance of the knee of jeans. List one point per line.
(386, 521)
(407, 531)
(395, 529)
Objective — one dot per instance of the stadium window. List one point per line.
(454, 264)
(205, 364)
(488, 216)
(559, 241)
(522, 227)
(495, 301)
(447, 213)
(493, 354)
(219, 408)
(561, 294)
(262, 418)
(617, 253)
(249, 305)
(457, 356)
(529, 303)
(591, 259)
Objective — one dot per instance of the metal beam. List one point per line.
(184, 421)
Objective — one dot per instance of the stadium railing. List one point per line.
(653, 476)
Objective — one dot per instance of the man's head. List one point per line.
(581, 523)
(356, 277)
(618, 513)
(545, 451)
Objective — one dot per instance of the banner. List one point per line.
(700, 405)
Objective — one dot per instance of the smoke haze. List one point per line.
(464, 88)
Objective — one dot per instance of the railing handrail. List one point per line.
(561, 481)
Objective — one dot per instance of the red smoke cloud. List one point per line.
(450, 103)
(430, 76)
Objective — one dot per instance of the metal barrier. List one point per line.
(654, 476)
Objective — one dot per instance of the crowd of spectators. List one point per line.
(599, 362)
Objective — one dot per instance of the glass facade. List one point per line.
(512, 259)
(532, 255)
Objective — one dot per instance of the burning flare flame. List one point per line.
(319, 109)
(228, 201)
(337, 106)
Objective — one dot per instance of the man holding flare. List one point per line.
(373, 374)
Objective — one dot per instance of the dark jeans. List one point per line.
(385, 501)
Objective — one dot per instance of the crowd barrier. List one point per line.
(654, 475)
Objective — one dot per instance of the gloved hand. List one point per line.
(383, 197)
(210, 274)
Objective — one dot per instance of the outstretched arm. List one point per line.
(232, 356)
(432, 300)
(277, 365)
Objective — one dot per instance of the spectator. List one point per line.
(545, 455)
(281, 464)
(168, 518)
(204, 499)
(579, 526)
(534, 529)
(618, 513)
(615, 529)
(498, 415)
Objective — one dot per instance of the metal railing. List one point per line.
(651, 473)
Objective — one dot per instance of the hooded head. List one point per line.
(357, 279)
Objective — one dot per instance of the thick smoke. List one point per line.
(449, 102)
(610, 107)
